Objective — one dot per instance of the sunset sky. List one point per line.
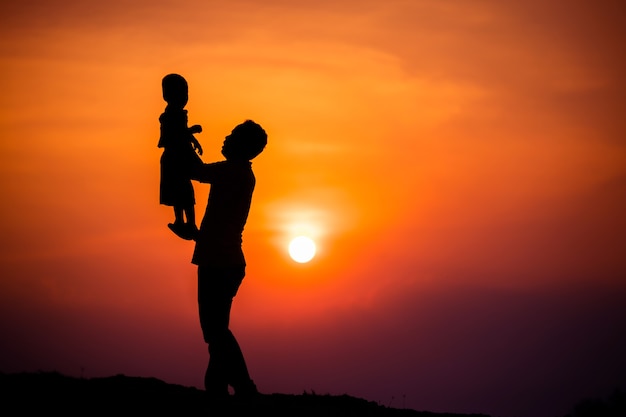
(461, 166)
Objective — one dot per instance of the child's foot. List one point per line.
(181, 230)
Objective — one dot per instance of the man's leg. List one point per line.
(214, 310)
(238, 375)
(227, 366)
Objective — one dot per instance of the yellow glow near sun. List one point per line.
(302, 249)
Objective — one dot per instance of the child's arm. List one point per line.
(194, 142)
(196, 145)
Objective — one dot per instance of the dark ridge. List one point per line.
(48, 393)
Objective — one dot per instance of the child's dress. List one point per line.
(177, 160)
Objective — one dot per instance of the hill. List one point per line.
(47, 393)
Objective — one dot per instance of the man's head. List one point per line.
(175, 90)
(245, 142)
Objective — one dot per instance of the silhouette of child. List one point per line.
(179, 157)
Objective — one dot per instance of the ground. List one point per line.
(50, 393)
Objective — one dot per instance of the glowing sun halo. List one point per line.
(302, 249)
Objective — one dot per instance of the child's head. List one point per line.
(245, 142)
(175, 90)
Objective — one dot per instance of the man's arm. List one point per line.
(206, 173)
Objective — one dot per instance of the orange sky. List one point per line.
(461, 165)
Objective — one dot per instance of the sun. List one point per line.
(302, 249)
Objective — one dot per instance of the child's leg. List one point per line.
(179, 227)
(178, 215)
(190, 226)
(190, 214)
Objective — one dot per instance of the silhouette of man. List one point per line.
(219, 256)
